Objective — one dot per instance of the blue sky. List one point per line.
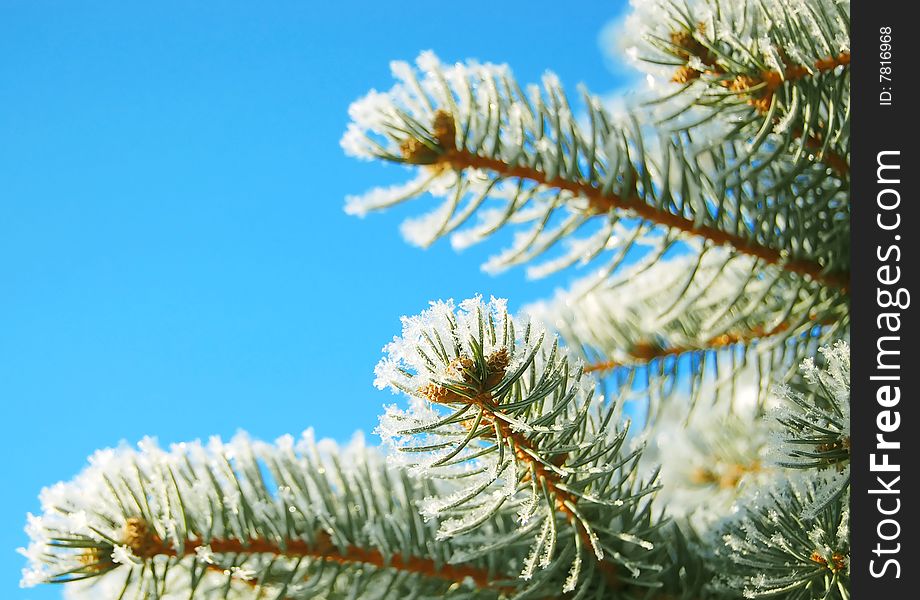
(174, 258)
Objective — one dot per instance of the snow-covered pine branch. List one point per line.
(494, 402)
(790, 535)
(668, 324)
(815, 419)
(770, 550)
(777, 67)
(487, 148)
(244, 519)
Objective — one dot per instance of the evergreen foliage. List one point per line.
(714, 215)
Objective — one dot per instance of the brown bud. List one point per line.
(686, 45)
(838, 561)
(445, 130)
(774, 79)
(685, 74)
(685, 42)
(759, 99)
(435, 393)
(95, 559)
(498, 360)
(743, 83)
(496, 363)
(416, 152)
(138, 537)
(762, 103)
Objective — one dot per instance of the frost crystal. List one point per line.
(434, 341)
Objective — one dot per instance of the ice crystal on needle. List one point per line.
(434, 343)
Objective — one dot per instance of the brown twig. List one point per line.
(146, 544)
(524, 450)
(601, 202)
(448, 155)
(759, 89)
(646, 352)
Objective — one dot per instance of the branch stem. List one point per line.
(524, 451)
(601, 203)
(323, 549)
(644, 352)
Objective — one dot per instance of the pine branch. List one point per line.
(678, 321)
(600, 203)
(522, 428)
(771, 549)
(474, 137)
(759, 91)
(644, 352)
(815, 420)
(147, 545)
(528, 459)
(789, 61)
(249, 519)
(792, 536)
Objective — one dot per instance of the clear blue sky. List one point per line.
(174, 258)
